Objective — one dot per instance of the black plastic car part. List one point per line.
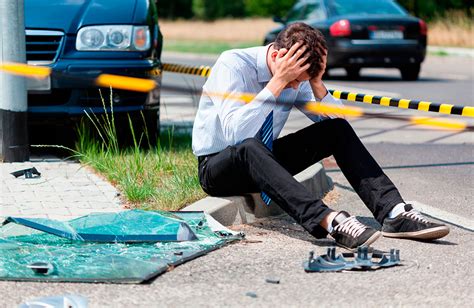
(29, 173)
(362, 260)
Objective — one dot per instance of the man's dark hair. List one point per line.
(312, 38)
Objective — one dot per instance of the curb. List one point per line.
(236, 210)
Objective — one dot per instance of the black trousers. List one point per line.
(250, 167)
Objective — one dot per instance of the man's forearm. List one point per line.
(319, 90)
(276, 86)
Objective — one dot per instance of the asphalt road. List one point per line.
(433, 167)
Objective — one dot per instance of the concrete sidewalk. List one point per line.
(65, 190)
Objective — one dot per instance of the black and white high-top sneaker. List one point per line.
(350, 233)
(412, 225)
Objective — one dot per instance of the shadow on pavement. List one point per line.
(288, 227)
(438, 242)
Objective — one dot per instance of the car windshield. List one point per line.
(304, 10)
(364, 7)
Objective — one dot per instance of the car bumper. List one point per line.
(374, 53)
(76, 94)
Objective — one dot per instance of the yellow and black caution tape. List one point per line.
(146, 85)
(465, 111)
(202, 70)
(125, 83)
(356, 112)
(30, 71)
(103, 80)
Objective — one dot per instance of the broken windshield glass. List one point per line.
(29, 253)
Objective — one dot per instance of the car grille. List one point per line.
(42, 47)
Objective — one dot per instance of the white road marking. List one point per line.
(448, 217)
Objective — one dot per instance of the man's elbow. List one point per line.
(229, 131)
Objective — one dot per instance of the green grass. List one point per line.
(163, 177)
(439, 53)
(206, 47)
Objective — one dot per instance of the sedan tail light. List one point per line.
(340, 28)
(423, 27)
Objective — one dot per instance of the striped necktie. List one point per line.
(265, 134)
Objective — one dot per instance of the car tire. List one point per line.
(410, 73)
(353, 72)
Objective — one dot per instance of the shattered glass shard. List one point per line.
(122, 227)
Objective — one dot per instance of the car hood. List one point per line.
(70, 15)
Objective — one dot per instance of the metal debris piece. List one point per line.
(273, 280)
(364, 259)
(251, 294)
(29, 173)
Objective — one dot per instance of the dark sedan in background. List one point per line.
(364, 33)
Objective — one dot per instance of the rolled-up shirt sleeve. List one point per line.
(239, 119)
(306, 95)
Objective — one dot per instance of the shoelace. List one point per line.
(351, 226)
(415, 215)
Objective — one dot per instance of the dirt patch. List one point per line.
(446, 34)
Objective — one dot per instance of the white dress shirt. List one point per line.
(222, 120)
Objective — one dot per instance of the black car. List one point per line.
(363, 33)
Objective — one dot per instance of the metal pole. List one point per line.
(13, 93)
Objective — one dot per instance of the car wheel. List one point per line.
(353, 72)
(410, 73)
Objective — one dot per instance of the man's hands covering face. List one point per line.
(289, 64)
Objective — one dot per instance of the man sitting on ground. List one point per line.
(239, 150)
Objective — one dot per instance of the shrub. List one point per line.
(268, 7)
(213, 9)
(172, 9)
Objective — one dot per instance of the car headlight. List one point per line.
(119, 38)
